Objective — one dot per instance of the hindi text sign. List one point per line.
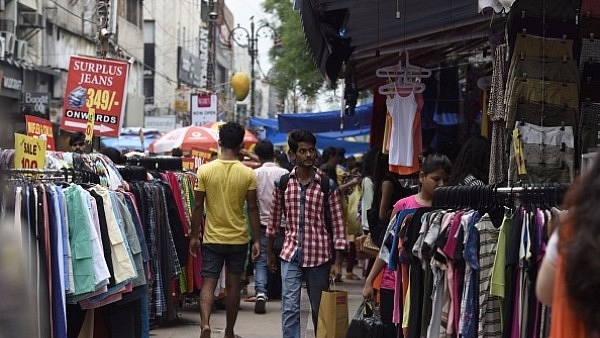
(42, 128)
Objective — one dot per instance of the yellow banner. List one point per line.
(89, 129)
(30, 152)
(188, 163)
(204, 154)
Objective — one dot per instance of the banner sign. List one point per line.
(89, 128)
(41, 128)
(188, 163)
(30, 152)
(100, 84)
(204, 108)
(36, 101)
(203, 154)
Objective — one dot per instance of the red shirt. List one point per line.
(316, 248)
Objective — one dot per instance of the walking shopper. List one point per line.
(435, 171)
(307, 248)
(266, 175)
(223, 185)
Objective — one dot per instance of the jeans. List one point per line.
(317, 280)
(260, 278)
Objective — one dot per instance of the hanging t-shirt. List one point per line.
(402, 110)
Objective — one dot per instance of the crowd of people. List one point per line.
(304, 209)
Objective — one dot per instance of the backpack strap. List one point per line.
(325, 184)
(282, 184)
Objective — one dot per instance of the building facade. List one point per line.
(170, 57)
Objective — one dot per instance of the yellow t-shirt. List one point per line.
(225, 184)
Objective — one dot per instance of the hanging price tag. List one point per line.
(30, 152)
(89, 129)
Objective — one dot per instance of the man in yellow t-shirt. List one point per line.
(223, 186)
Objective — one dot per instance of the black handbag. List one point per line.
(366, 322)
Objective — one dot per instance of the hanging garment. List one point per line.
(402, 110)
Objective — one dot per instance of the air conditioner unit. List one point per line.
(21, 49)
(9, 42)
(2, 47)
(31, 19)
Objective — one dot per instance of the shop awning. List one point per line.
(371, 34)
(329, 121)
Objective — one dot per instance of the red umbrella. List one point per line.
(249, 137)
(186, 138)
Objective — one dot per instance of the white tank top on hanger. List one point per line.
(403, 110)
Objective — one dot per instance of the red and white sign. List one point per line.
(40, 128)
(204, 108)
(100, 84)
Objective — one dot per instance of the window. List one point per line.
(134, 12)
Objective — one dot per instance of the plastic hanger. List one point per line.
(401, 70)
(402, 86)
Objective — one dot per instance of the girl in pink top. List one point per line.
(434, 173)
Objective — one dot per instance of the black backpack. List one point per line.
(325, 184)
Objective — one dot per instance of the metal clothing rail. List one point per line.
(19, 174)
(487, 195)
(532, 188)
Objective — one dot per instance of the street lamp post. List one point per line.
(252, 45)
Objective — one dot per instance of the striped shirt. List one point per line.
(315, 246)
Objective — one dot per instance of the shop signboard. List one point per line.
(100, 84)
(204, 108)
(161, 123)
(41, 128)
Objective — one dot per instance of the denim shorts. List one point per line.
(215, 255)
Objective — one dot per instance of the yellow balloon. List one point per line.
(240, 82)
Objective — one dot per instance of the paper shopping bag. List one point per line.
(333, 314)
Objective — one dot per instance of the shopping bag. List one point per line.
(366, 322)
(365, 248)
(333, 314)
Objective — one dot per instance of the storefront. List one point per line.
(11, 87)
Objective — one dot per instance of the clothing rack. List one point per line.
(133, 172)
(64, 174)
(15, 174)
(482, 196)
(158, 163)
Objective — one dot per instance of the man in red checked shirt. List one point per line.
(306, 251)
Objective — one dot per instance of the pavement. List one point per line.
(250, 324)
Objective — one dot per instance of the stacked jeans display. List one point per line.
(542, 89)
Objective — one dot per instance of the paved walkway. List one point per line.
(249, 324)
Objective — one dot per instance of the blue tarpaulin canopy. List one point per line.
(327, 121)
(129, 139)
(331, 136)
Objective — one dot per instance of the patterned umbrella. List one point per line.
(186, 138)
